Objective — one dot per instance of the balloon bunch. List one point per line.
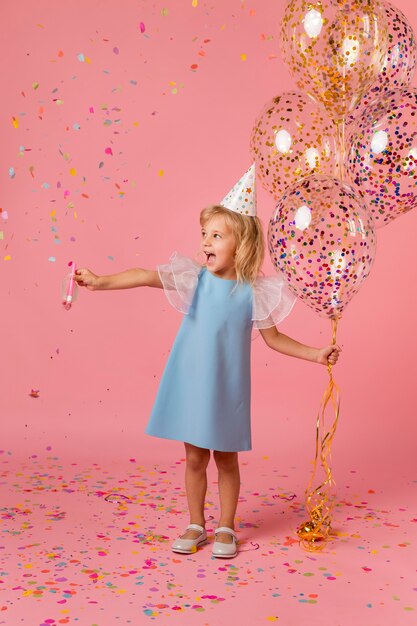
(340, 159)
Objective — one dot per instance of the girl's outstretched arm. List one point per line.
(284, 344)
(135, 277)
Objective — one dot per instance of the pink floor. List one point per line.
(89, 544)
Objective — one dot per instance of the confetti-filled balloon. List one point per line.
(335, 49)
(382, 156)
(292, 138)
(400, 60)
(322, 239)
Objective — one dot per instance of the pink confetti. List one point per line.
(142, 27)
(109, 151)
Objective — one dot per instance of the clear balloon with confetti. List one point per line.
(321, 237)
(399, 63)
(335, 49)
(292, 138)
(382, 156)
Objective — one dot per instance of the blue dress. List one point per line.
(204, 394)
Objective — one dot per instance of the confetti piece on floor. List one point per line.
(34, 393)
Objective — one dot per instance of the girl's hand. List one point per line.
(85, 278)
(329, 355)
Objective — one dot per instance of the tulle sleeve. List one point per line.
(179, 278)
(272, 301)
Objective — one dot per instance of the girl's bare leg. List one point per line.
(229, 487)
(197, 460)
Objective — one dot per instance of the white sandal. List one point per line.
(189, 546)
(225, 550)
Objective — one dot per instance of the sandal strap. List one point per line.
(225, 529)
(195, 527)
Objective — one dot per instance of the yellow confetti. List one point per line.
(73, 171)
(243, 57)
(75, 215)
(164, 12)
(1, 234)
(7, 258)
(195, 3)
(135, 123)
(52, 213)
(35, 85)
(161, 173)
(15, 122)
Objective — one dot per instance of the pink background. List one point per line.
(179, 141)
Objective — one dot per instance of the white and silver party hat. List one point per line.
(242, 198)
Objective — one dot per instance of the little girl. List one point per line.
(204, 395)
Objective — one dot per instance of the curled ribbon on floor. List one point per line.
(283, 497)
(320, 500)
(255, 546)
(117, 498)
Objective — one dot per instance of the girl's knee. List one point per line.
(226, 460)
(197, 458)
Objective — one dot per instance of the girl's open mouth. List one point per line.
(210, 256)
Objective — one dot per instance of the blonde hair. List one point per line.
(250, 246)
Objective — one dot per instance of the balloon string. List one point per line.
(341, 148)
(319, 500)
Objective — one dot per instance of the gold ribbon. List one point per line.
(319, 500)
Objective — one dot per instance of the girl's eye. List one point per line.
(217, 235)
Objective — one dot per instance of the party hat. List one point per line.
(242, 198)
